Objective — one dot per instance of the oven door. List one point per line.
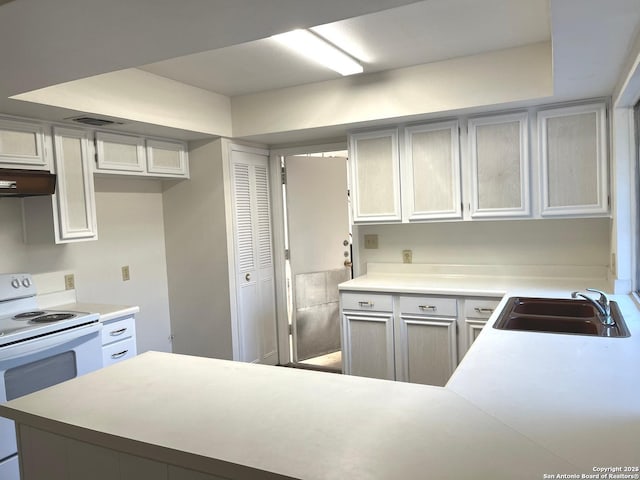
(39, 363)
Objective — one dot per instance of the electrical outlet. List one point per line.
(125, 273)
(407, 256)
(371, 241)
(69, 282)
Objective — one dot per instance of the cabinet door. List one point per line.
(167, 159)
(573, 149)
(21, 144)
(368, 349)
(426, 349)
(75, 195)
(431, 175)
(375, 176)
(119, 153)
(499, 166)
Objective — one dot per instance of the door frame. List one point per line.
(278, 224)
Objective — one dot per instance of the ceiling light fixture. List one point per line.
(316, 48)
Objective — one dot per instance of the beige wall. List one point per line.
(131, 232)
(512, 75)
(583, 242)
(196, 240)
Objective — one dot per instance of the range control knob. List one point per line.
(26, 282)
(15, 283)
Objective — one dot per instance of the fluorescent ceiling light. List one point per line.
(319, 50)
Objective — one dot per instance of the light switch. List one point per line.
(125, 273)
(371, 241)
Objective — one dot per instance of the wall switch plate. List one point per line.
(125, 273)
(69, 282)
(407, 256)
(371, 241)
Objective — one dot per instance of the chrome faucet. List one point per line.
(602, 305)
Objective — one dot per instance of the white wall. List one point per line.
(130, 231)
(511, 75)
(582, 242)
(196, 239)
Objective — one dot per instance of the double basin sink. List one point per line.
(557, 315)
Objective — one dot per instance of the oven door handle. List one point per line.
(23, 349)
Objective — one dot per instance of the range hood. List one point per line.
(26, 183)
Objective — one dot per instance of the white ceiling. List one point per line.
(419, 33)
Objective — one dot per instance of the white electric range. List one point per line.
(38, 348)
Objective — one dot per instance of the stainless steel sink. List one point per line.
(558, 315)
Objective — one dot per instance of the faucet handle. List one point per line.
(603, 300)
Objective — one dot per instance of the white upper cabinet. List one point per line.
(431, 172)
(499, 155)
(75, 195)
(375, 176)
(21, 145)
(573, 153)
(167, 158)
(118, 153)
(134, 155)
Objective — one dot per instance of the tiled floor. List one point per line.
(331, 361)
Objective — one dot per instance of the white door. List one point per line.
(256, 314)
(319, 250)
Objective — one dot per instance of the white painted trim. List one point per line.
(408, 181)
(226, 148)
(316, 148)
(601, 206)
(279, 261)
(525, 198)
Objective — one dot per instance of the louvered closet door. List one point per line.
(254, 259)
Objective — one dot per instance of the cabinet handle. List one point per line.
(115, 333)
(483, 310)
(432, 308)
(8, 184)
(365, 304)
(119, 354)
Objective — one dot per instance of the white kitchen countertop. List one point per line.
(519, 406)
(107, 312)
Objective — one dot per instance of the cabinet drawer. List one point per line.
(118, 330)
(428, 306)
(118, 351)
(480, 308)
(365, 301)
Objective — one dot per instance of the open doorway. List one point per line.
(318, 258)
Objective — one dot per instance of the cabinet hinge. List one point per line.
(290, 327)
(462, 206)
(95, 150)
(286, 254)
(283, 175)
(609, 201)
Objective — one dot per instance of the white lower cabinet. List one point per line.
(425, 340)
(368, 347)
(409, 338)
(476, 313)
(118, 340)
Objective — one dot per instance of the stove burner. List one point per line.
(28, 315)
(52, 317)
